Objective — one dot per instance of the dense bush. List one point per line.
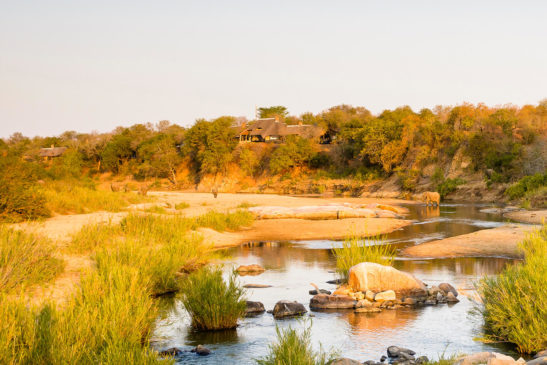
(526, 185)
(515, 302)
(448, 186)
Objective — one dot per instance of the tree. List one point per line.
(273, 111)
(294, 153)
(159, 157)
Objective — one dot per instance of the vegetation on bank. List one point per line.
(355, 250)
(294, 347)
(515, 302)
(212, 302)
(530, 188)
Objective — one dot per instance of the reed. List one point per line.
(355, 250)
(213, 303)
(514, 303)
(26, 259)
(293, 347)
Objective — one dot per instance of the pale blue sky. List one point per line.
(94, 65)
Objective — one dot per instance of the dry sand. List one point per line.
(495, 242)
(528, 216)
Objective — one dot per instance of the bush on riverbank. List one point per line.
(293, 347)
(356, 250)
(515, 302)
(213, 303)
(25, 259)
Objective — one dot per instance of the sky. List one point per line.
(95, 65)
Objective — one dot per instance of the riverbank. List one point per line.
(528, 216)
(495, 242)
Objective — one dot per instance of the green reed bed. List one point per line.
(515, 302)
(356, 250)
(293, 347)
(26, 259)
(213, 303)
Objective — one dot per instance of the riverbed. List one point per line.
(292, 266)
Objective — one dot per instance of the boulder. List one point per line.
(450, 298)
(250, 269)
(201, 350)
(396, 351)
(286, 308)
(447, 288)
(538, 361)
(541, 354)
(433, 291)
(375, 277)
(409, 301)
(336, 281)
(254, 308)
(422, 360)
(325, 301)
(321, 291)
(485, 358)
(344, 361)
(173, 351)
(363, 303)
(385, 295)
(369, 295)
(367, 310)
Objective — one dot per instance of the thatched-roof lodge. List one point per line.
(272, 130)
(51, 152)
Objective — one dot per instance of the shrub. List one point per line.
(527, 184)
(25, 259)
(515, 302)
(181, 206)
(213, 303)
(295, 348)
(356, 250)
(448, 186)
(223, 221)
(20, 198)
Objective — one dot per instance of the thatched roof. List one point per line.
(272, 127)
(52, 151)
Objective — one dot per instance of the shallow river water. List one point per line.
(292, 266)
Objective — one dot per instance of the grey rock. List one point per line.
(325, 301)
(345, 361)
(422, 360)
(541, 354)
(395, 351)
(450, 298)
(431, 301)
(383, 358)
(321, 291)
(336, 281)
(254, 308)
(447, 288)
(173, 351)
(286, 308)
(538, 361)
(201, 350)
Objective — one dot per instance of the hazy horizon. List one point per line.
(81, 66)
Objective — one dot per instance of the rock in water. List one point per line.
(321, 291)
(447, 288)
(396, 351)
(375, 277)
(325, 301)
(173, 351)
(246, 269)
(286, 308)
(385, 295)
(450, 298)
(256, 286)
(254, 308)
(201, 350)
(344, 361)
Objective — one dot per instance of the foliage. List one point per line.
(515, 302)
(293, 153)
(526, 185)
(248, 161)
(20, 198)
(213, 303)
(448, 186)
(225, 221)
(293, 347)
(355, 250)
(181, 206)
(272, 111)
(25, 259)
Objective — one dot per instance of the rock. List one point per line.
(450, 298)
(254, 308)
(325, 301)
(447, 288)
(286, 308)
(441, 298)
(541, 354)
(369, 295)
(433, 291)
(342, 290)
(363, 303)
(375, 277)
(256, 286)
(395, 351)
(383, 358)
(422, 360)
(201, 350)
(431, 301)
(344, 361)
(386, 304)
(494, 361)
(321, 291)
(385, 295)
(359, 296)
(367, 310)
(336, 281)
(409, 301)
(538, 361)
(250, 269)
(477, 358)
(173, 351)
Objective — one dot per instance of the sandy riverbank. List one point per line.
(495, 242)
(528, 216)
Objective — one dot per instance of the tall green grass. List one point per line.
(293, 347)
(213, 303)
(225, 221)
(25, 259)
(515, 302)
(356, 250)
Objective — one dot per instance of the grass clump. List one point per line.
(213, 304)
(225, 221)
(245, 205)
(515, 302)
(356, 250)
(181, 206)
(293, 347)
(25, 259)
